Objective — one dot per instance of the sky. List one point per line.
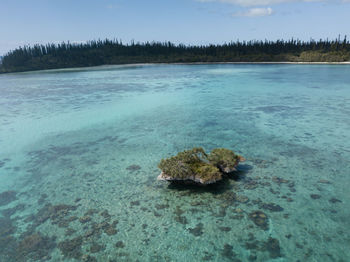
(24, 22)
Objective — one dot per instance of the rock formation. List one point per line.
(195, 166)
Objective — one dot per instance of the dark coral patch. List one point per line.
(161, 206)
(197, 230)
(252, 245)
(334, 200)
(279, 180)
(109, 229)
(119, 244)
(84, 219)
(11, 211)
(6, 226)
(207, 257)
(8, 245)
(133, 168)
(227, 252)
(156, 214)
(315, 196)
(69, 231)
(242, 199)
(95, 247)
(178, 211)
(35, 247)
(42, 199)
(105, 214)
(91, 212)
(272, 245)
(7, 197)
(181, 219)
(272, 207)
(178, 216)
(260, 219)
(225, 229)
(88, 258)
(71, 248)
(56, 213)
(135, 203)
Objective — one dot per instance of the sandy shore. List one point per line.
(306, 63)
(205, 63)
(194, 63)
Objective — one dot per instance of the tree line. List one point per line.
(101, 52)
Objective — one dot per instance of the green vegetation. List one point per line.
(224, 159)
(102, 52)
(195, 165)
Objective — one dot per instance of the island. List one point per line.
(195, 166)
(114, 52)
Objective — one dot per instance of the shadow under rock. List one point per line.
(217, 188)
(241, 173)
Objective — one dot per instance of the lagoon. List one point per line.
(80, 148)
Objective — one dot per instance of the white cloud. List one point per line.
(260, 2)
(253, 12)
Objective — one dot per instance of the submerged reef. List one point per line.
(7, 197)
(195, 166)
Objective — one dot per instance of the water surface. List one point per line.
(80, 148)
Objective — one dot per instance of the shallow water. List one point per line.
(80, 148)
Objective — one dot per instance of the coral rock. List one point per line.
(195, 166)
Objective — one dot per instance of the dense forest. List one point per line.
(101, 52)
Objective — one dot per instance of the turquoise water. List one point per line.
(80, 148)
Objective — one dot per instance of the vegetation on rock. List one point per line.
(225, 159)
(197, 166)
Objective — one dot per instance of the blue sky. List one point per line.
(180, 21)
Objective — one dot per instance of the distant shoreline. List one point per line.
(189, 63)
(307, 63)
